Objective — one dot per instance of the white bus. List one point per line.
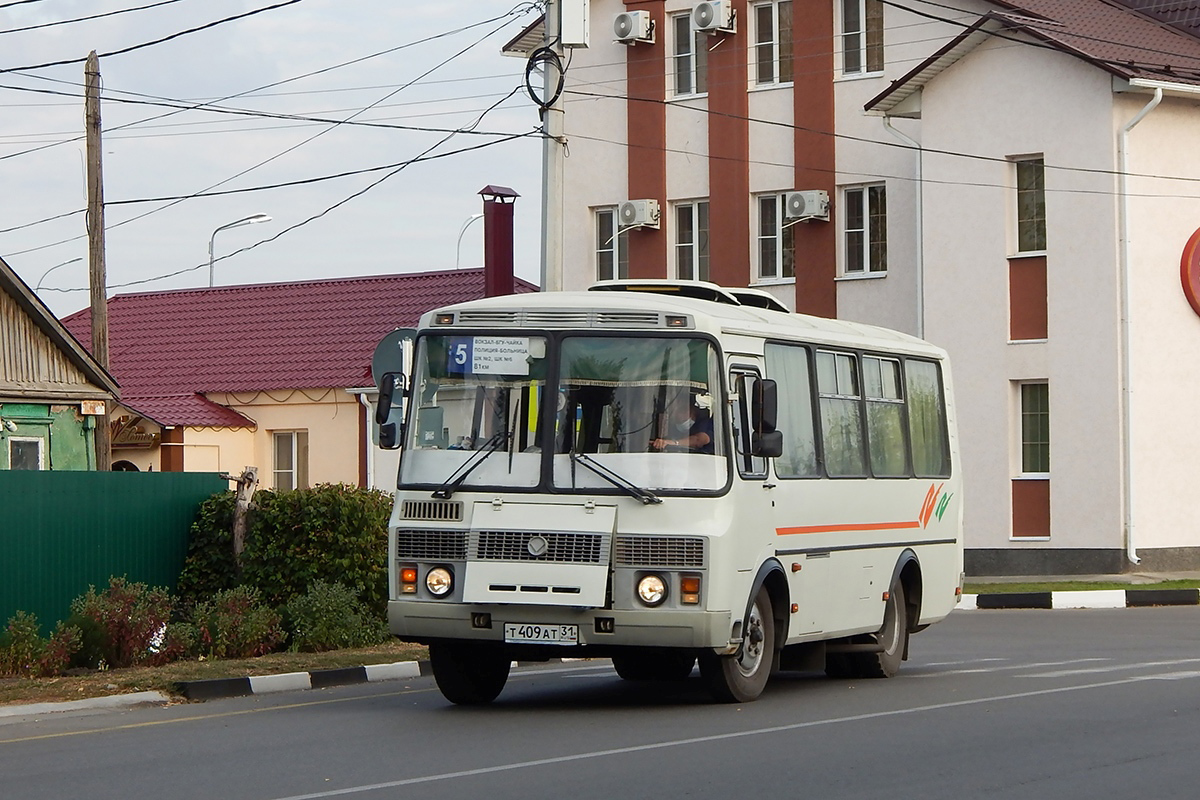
(554, 501)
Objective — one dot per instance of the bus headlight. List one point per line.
(652, 590)
(439, 581)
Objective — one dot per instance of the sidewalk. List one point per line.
(1133, 597)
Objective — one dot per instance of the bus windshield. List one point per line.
(646, 409)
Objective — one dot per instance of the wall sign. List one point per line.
(1189, 271)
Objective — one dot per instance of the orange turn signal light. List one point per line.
(689, 589)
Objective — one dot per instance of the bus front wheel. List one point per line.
(741, 677)
(469, 673)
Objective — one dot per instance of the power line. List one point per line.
(41, 25)
(160, 40)
(425, 155)
(864, 140)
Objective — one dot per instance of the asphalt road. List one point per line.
(993, 704)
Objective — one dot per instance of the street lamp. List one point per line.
(244, 221)
(461, 231)
(56, 266)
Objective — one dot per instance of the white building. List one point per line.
(1016, 184)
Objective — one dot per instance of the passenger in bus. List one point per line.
(690, 427)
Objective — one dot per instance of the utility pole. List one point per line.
(95, 226)
(553, 148)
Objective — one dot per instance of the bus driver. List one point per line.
(689, 426)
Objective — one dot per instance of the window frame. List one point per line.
(41, 450)
(1028, 462)
(695, 56)
(298, 472)
(869, 202)
(868, 49)
(781, 237)
(619, 241)
(1029, 233)
(697, 249)
(779, 45)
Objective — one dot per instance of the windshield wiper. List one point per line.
(643, 496)
(459, 475)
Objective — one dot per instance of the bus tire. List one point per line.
(893, 636)
(469, 673)
(654, 665)
(741, 677)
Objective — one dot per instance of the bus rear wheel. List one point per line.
(893, 637)
(654, 665)
(469, 673)
(741, 677)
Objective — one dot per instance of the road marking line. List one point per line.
(1063, 673)
(720, 737)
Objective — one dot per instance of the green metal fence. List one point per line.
(61, 532)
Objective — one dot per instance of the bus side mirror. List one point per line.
(767, 445)
(764, 409)
(764, 405)
(389, 438)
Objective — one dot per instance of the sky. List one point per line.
(434, 65)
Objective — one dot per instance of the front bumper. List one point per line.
(423, 621)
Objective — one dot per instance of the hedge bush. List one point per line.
(332, 532)
(330, 616)
(120, 624)
(24, 653)
(233, 624)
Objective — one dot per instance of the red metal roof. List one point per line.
(307, 335)
(190, 410)
(1122, 41)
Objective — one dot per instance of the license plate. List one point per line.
(530, 633)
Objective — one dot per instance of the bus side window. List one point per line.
(927, 419)
(789, 367)
(742, 386)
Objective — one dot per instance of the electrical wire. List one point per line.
(152, 43)
(425, 155)
(41, 25)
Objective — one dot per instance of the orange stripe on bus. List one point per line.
(854, 526)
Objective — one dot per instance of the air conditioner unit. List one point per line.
(807, 204)
(638, 214)
(631, 27)
(713, 17)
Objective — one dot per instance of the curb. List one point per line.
(291, 681)
(111, 701)
(1106, 598)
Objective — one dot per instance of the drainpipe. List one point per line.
(370, 445)
(1126, 338)
(887, 123)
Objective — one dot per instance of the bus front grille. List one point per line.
(431, 545)
(432, 510)
(571, 548)
(659, 551)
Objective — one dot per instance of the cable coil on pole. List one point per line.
(540, 58)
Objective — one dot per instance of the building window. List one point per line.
(866, 229)
(776, 240)
(773, 42)
(691, 57)
(612, 247)
(25, 453)
(291, 459)
(1031, 205)
(1035, 429)
(691, 241)
(862, 36)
